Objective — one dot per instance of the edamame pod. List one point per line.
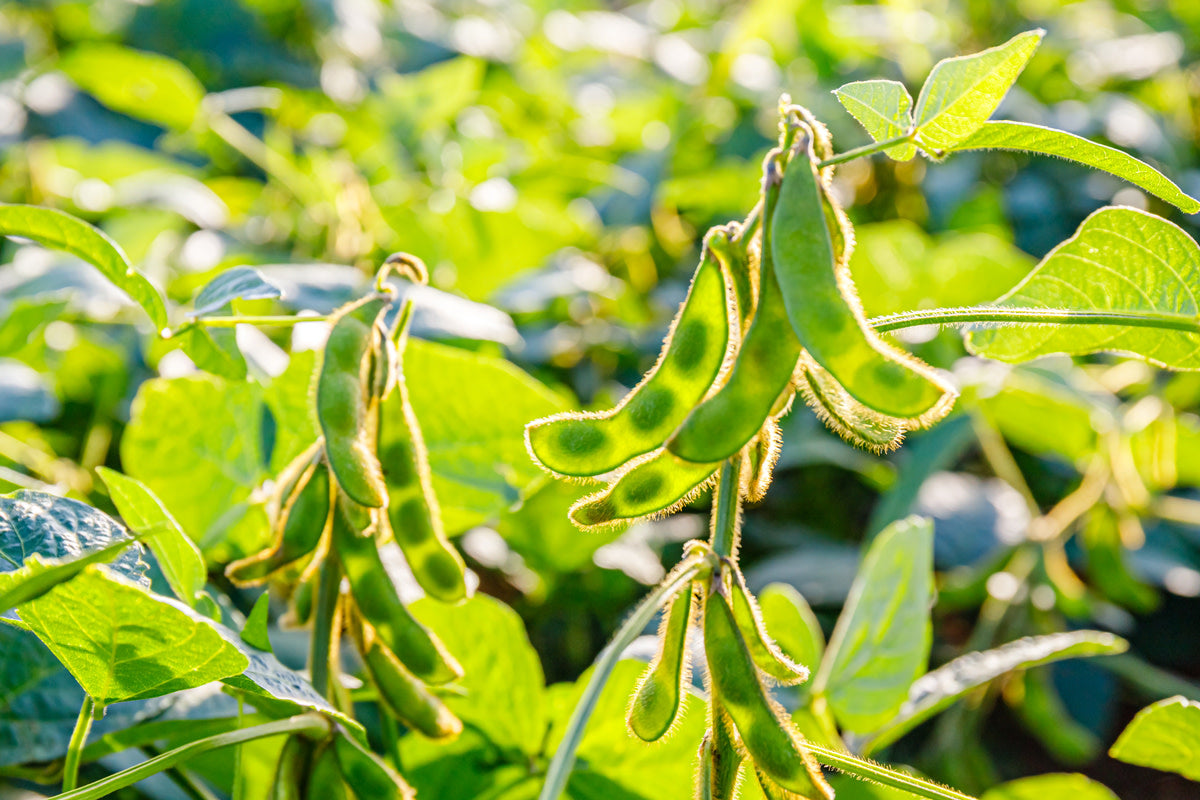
(729, 244)
(325, 776)
(368, 776)
(726, 753)
(769, 737)
(581, 444)
(656, 700)
(762, 459)
(763, 650)
(346, 402)
(725, 422)
(823, 307)
(845, 416)
(377, 601)
(652, 486)
(292, 772)
(403, 694)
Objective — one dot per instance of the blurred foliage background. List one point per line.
(556, 164)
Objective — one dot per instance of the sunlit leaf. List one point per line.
(145, 85)
(1164, 736)
(1053, 786)
(884, 108)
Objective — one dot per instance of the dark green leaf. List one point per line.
(238, 283)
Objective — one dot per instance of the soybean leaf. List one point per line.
(1119, 260)
(792, 624)
(145, 514)
(961, 93)
(122, 643)
(254, 632)
(881, 641)
(1005, 135)
(884, 108)
(148, 86)
(265, 678)
(215, 350)
(1053, 786)
(936, 690)
(60, 230)
(238, 283)
(38, 576)
(1165, 735)
(291, 405)
(21, 319)
(472, 410)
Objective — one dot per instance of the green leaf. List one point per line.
(254, 632)
(122, 643)
(145, 514)
(503, 686)
(1004, 135)
(792, 624)
(60, 230)
(24, 317)
(936, 690)
(961, 93)
(884, 108)
(472, 410)
(215, 350)
(880, 644)
(148, 86)
(1053, 786)
(38, 576)
(291, 405)
(1047, 417)
(238, 283)
(1165, 735)
(1119, 260)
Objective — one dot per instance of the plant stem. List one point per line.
(229, 322)
(1034, 316)
(304, 724)
(83, 726)
(878, 773)
(322, 637)
(865, 150)
(727, 507)
(564, 758)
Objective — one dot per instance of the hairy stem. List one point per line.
(564, 758)
(878, 773)
(727, 507)
(1034, 316)
(83, 726)
(865, 150)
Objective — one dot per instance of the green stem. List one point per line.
(229, 322)
(263, 156)
(1034, 316)
(865, 150)
(83, 725)
(564, 758)
(305, 724)
(727, 507)
(322, 638)
(878, 773)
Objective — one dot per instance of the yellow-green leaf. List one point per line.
(884, 109)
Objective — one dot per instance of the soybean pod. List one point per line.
(651, 486)
(845, 416)
(377, 601)
(347, 401)
(768, 735)
(291, 773)
(579, 444)
(726, 752)
(368, 776)
(656, 700)
(766, 654)
(725, 422)
(822, 304)
(402, 693)
(325, 775)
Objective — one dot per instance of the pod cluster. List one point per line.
(364, 482)
(771, 312)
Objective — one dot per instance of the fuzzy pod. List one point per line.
(379, 604)
(859, 425)
(766, 654)
(580, 444)
(291, 773)
(761, 458)
(325, 776)
(727, 420)
(726, 753)
(768, 736)
(651, 486)
(346, 399)
(657, 699)
(404, 695)
(367, 774)
(729, 244)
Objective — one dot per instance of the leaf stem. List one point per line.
(864, 769)
(229, 322)
(727, 508)
(304, 724)
(564, 758)
(83, 726)
(865, 150)
(1033, 316)
(328, 589)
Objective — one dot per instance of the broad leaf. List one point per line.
(1166, 736)
(792, 624)
(292, 408)
(881, 642)
(122, 643)
(23, 317)
(1121, 260)
(215, 350)
(936, 690)
(148, 86)
(961, 93)
(884, 108)
(38, 576)
(1004, 135)
(145, 514)
(1052, 786)
(62, 231)
(238, 283)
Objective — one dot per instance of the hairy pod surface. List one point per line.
(652, 486)
(369, 777)
(580, 444)
(729, 244)
(325, 775)
(346, 400)
(291, 772)
(768, 736)
(766, 654)
(379, 604)
(726, 752)
(404, 695)
(859, 425)
(823, 307)
(656, 701)
(761, 460)
(725, 422)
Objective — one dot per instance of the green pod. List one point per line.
(726, 754)
(377, 601)
(861, 426)
(761, 459)
(347, 406)
(656, 701)
(725, 422)
(823, 307)
(405, 697)
(325, 776)
(768, 736)
(302, 527)
(766, 654)
(292, 772)
(413, 512)
(740, 267)
(654, 485)
(368, 776)
(580, 444)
